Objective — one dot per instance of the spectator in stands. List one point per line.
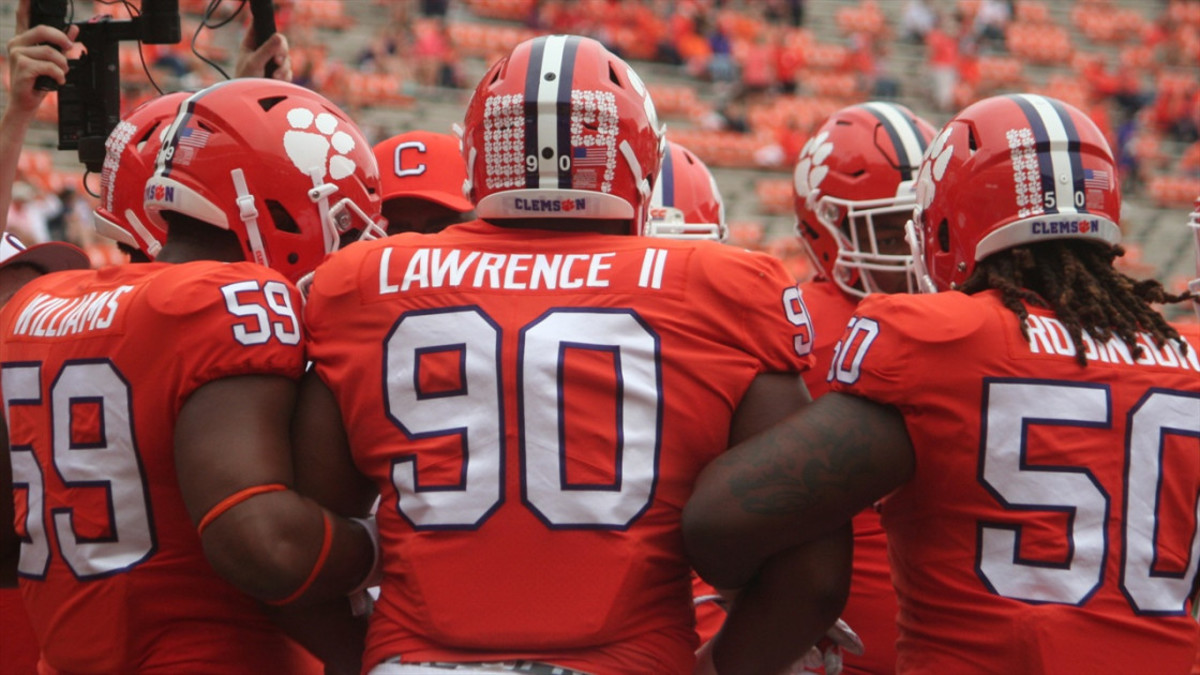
(1175, 109)
(30, 212)
(19, 265)
(942, 58)
(991, 20)
(918, 19)
(434, 60)
(421, 176)
(721, 66)
(757, 65)
(789, 60)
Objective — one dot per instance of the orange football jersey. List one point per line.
(1191, 332)
(18, 644)
(95, 368)
(1051, 523)
(534, 407)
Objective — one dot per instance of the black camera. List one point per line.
(89, 103)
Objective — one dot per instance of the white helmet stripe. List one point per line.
(553, 118)
(1055, 163)
(171, 135)
(909, 145)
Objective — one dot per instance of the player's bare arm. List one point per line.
(324, 471)
(797, 481)
(232, 448)
(324, 468)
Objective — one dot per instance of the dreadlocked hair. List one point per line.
(1081, 286)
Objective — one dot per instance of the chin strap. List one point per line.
(319, 195)
(249, 215)
(643, 185)
(152, 247)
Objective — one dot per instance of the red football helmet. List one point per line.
(1008, 171)
(686, 203)
(860, 165)
(129, 159)
(1194, 284)
(562, 127)
(279, 165)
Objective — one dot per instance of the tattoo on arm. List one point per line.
(832, 455)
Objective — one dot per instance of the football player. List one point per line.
(533, 393)
(130, 159)
(18, 266)
(148, 406)
(853, 189)
(422, 174)
(1035, 424)
(686, 203)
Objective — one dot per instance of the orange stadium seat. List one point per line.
(1140, 57)
(509, 10)
(746, 233)
(1067, 88)
(1146, 148)
(774, 195)
(674, 99)
(1000, 71)
(1134, 261)
(827, 55)
(863, 18)
(321, 14)
(1184, 11)
(1173, 190)
(484, 40)
(1039, 43)
(841, 86)
(723, 148)
(1029, 11)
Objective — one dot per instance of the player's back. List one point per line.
(1051, 524)
(96, 365)
(541, 402)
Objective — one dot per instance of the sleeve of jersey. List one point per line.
(759, 303)
(229, 320)
(332, 298)
(882, 352)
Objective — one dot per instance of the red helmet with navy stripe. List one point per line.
(1009, 171)
(562, 127)
(857, 170)
(278, 165)
(129, 155)
(1194, 284)
(686, 203)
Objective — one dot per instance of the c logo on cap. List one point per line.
(401, 147)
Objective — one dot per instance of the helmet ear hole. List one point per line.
(281, 219)
(944, 236)
(612, 75)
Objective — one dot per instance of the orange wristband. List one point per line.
(233, 500)
(326, 544)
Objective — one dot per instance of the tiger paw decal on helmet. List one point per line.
(933, 168)
(811, 169)
(309, 140)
